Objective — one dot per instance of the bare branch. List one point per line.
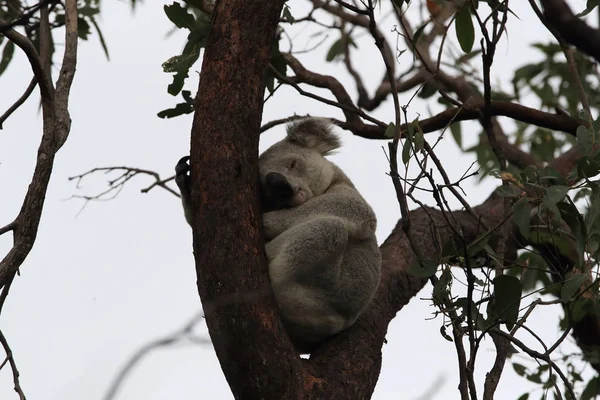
(56, 125)
(13, 366)
(183, 334)
(46, 87)
(19, 102)
(116, 185)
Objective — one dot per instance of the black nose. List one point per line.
(278, 186)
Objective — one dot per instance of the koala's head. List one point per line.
(295, 170)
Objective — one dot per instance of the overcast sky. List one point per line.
(102, 282)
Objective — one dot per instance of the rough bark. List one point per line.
(255, 355)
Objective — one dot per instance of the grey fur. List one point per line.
(324, 262)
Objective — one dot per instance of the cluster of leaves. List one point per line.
(195, 19)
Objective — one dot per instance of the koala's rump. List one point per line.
(328, 302)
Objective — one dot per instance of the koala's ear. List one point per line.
(314, 133)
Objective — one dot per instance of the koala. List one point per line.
(324, 262)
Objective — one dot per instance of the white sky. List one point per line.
(102, 283)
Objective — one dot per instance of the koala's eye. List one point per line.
(293, 164)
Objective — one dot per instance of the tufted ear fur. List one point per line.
(314, 133)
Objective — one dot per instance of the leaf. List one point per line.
(592, 389)
(406, 149)
(180, 16)
(7, 54)
(475, 316)
(287, 15)
(427, 90)
(444, 334)
(101, 36)
(419, 139)
(507, 299)
(571, 286)
(442, 284)
(182, 64)
(83, 28)
(520, 369)
(524, 396)
(179, 109)
(587, 168)
(427, 270)
(419, 32)
(585, 139)
(591, 4)
(522, 216)
(334, 51)
(465, 32)
(456, 131)
(554, 194)
(390, 130)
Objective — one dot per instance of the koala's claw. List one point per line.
(182, 166)
(182, 170)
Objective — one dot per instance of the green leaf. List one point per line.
(554, 194)
(522, 216)
(476, 317)
(83, 28)
(406, 149)
(444, 334)
(591, 4)
(7, 54)
(101, 36)
(507, 299)
(456, 131)
(419, 139)
(335, 50)
(592, 389)
(524, 396)
(390, 130)
(427, 270)
(587, 167)
(571, 286)
(465, 32)
(520, 369)
(585, 139)
(419, 32)
(427, 90)
(179, 109)
(180, 16)
(287, 15)
(442, 284)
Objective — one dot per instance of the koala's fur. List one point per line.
(324, 262)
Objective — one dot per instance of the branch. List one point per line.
(41, 75)
(182, 334)
(573, 29)
(116, 185)
(13, 366)
(19, 101)
(56, 126)
(66, 74)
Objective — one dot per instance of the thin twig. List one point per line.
(19, 101)
(13, 366)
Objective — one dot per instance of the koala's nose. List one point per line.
(278, 185)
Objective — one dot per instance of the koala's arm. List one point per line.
(344, 202)
(182, 179)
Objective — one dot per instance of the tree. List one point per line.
(535, 234)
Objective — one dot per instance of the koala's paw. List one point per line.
(182, 176)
